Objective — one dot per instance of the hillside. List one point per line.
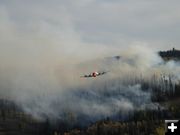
(13, 121)
(142, 107)
(170, 54)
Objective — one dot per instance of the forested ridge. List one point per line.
(165, 96)
(13, 121)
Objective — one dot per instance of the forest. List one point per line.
(13, 121)
(165, 96)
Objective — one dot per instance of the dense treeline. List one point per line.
(121, 128)
(14, 121)
(142, 122)
(149, 122)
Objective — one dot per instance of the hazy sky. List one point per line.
(118, 23)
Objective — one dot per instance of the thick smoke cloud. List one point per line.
(40, 69)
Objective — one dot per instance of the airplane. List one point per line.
(95, 74)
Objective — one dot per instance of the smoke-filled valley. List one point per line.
(47, 49)
(132, 83)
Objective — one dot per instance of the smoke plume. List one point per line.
(40, 70)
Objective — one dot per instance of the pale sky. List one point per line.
(118, 23)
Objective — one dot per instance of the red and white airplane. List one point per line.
(94, 74)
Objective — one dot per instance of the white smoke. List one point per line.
(40, 69)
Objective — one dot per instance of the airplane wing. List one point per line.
(87, 76)
(102, 73)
